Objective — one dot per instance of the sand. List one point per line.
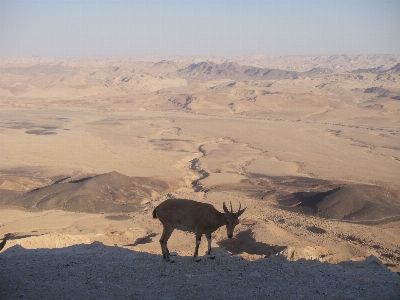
(90, 148)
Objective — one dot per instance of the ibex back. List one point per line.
(193, 216)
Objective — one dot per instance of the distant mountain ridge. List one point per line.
(235, 71)
(395, 69)
(380, 70)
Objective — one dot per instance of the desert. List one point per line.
(310, 145)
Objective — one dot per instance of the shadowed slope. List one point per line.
(97, 271)
(110, 192)
(368, 204)
(358, 203)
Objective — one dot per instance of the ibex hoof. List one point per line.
(169, 259)
(211, 256)
(197, 259)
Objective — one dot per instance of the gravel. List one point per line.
(97, 271)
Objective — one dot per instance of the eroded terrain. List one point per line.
(311, 149)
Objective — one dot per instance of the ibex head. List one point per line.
(232, 219)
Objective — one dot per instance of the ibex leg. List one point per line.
(209, 252)
(163, 242)
(196, 250)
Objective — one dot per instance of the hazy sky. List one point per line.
(69, 28)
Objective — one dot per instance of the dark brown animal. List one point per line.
(200, 218)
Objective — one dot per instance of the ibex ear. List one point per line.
(240, 212)
(225, 210)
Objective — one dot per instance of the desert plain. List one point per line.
(309, 144)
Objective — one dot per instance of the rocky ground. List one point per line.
(96, 271)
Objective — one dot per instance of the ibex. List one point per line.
(193, 216)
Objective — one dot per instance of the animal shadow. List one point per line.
(245, 242)
(143, 240)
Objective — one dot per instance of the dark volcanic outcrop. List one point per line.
(378, 90)
(235, 71)
(380, 70)
(356, 203)
(110, 192)
(395, 69)
(165, 65)
(316, 71)
(367, 204)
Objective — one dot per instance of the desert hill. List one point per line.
(395, 69)
(233, 70)
(357, 203)
(111, 192)
(165, 66)
(302, 63)
(333, 200)
(318, 71)
(116, 193)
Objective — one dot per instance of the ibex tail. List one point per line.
(154, 214)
